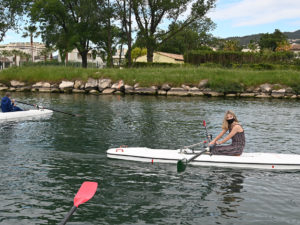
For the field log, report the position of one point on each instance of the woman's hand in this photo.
(219, 142)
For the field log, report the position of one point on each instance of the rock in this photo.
(94, 92)
(178, 92)
(231, 95)
(249, 89)
(257, 90)
(278, 93)
(91, 84)
(55, 90)
(194, 89)
(129, 89)
(266, 88)
(78, 91)
(104, 83)
(196, 93)
(289, 90)
(121, 86)
(185, 87)
(41, 85)
(108, 91)
(247, 94)
(203, 83)
(66, 85)
(145, 91)
(213, 94)
(23, 89)
(78, 84)
(165, 87)
(162, 92)
(44, 89)
(115, 85)
(54, 85)
(15, 84)
(262, 95)
(3, 87)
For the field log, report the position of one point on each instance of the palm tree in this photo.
(31, 31)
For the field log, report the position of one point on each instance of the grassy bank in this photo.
(220, 79)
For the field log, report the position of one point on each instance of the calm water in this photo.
(44, 162)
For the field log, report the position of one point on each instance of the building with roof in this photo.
(295, 48)
(75, 57)
(32, 51)
(163, 57)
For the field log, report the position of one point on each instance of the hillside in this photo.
(246, 39)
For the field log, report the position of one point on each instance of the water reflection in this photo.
(230, 192)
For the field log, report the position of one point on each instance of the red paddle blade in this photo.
(85, 193)
(204, 123)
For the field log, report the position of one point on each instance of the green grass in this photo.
(220, 79)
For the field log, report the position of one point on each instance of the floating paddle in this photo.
(54, 110)
(182, 164)
(85, 193)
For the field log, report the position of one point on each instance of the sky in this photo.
(237, 18)
(246, 17)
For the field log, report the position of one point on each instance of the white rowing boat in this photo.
(21, 115)
(272, 161)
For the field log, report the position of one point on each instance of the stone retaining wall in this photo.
(106, 86)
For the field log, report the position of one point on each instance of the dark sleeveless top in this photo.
(236, 148)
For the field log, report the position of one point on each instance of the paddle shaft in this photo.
(54, 110)
(68, 215)
(195, 156)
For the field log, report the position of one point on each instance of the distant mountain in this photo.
(246, 39)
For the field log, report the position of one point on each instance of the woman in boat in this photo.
(236, 133)
(8, 105)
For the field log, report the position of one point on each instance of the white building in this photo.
(117, 60)
(74, 56)
(33, 51)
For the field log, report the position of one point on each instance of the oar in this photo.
(208, 136)
(85, 193)
(54, 110)
(182, 164)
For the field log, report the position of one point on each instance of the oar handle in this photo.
(68, 215)
(207, 135)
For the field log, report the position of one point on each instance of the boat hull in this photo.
(272, 161)
(23, 115)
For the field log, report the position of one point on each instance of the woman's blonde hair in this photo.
(225, 124)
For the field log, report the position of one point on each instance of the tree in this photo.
(232, 45)
(271, 41)
(124, 9)
(283, 46)
(31, 31)
(150, 13)
(192, 37)
(137, 52)
(10, 12)
(72, 23)
(253, 46)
